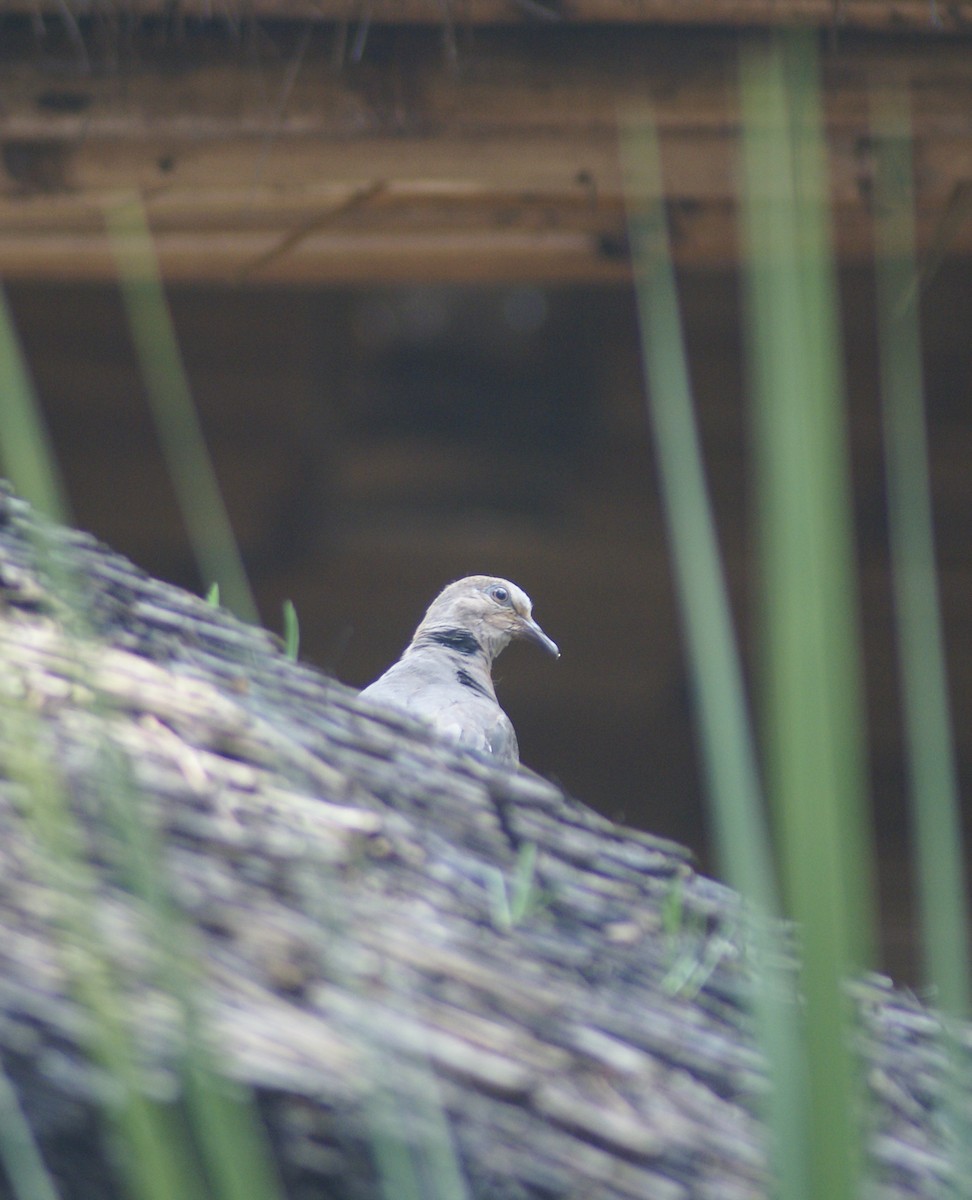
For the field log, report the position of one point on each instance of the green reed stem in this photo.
(176, 419)
(732, 777)
(811, 700)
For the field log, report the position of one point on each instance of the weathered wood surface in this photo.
(339, 876)
(285, 160)
(931, 16)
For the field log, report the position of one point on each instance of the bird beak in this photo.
(531, 630)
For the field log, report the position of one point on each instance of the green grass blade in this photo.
(732, 777)
(933, 782)
(152, 1152)
(412, 1143)
(730, 760)
(291, 630)
(25, 451)
(812, 704)
(154, 1149)
(176, 419)
(931, 753)
(227, 1131)
(23, 1165)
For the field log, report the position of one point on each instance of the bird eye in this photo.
(500, 594)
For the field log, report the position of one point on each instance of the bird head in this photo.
(493, 610)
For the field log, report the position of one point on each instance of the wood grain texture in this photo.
(502, 165)
(928, 16)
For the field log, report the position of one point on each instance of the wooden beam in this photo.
(932, 17)
(503, 168)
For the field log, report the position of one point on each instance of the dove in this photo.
(444, 675)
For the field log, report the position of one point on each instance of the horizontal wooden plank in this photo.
(554, 258)
(704, 237)
(507, 168)
(570, 80)
(931, 16)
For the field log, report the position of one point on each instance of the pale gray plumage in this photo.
(444, 677)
